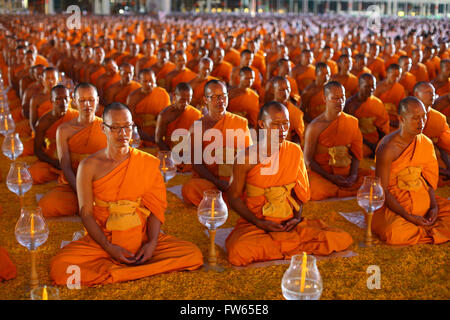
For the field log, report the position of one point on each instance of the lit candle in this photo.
(6, 124)
(302, 280)
(12, 146)
(32, 226)
(212, 209)
(164, 164)
(19, 180)
(370, 195)
(44, 293)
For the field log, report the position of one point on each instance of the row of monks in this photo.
(76, 95)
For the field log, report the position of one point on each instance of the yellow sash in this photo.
(410, 179)
(366, 125)
(279, 200)
(148, 119)
(122, 214)
(391, 108)
(339, 156)
(225, 169)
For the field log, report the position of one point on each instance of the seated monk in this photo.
(418, 69)
(442, 81)
(333, 149)
(408, 169)
(146, 103)
(243, 100)
(246, 60)
(134, 55)
(162, 67)
(407, 79)
(390, 92)
(326, 56)
(221, 69)
(281, 93)
(344, 77)
(313, 100)
(96, 69)
(120, 90)
(122, 217)
(106, 80)
(281, 52)
(390, 55)
(442, 104)
(198, 83)
(180, 73)
(304, 72)
(149, 58)
(29, 79)
(360, 65)
(41, 103)
(29, 61)
(179, 115)
(436, 128)
(8, 269)
(47, 167)
(269, 194)
(75, 140)
(30, 91)
(199, 54)
(284, 70)
(120, 53)
(375, 63)
(372, 117)
(231, 54)
(214, 173)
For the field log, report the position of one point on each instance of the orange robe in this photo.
(408, 81)
(316, 104)
(341, 133)
(184, 121)
(62, 200)
(391, 98)
(364, 70)
(421, 73)
(438, 131)
(43, 172)
(123, 94)
(151, 61)
(306, 78)
(410, 177)
(114, 79)
(199, 91)
(247, 243)
(443, 90)
(233, 57)
(96, 265)
(193, 189)
(350, 84)
(246, 105)
(168, 67)
(371, 115)
(378, 69)
(95, 75)
(295, 121)
(8, 269)
(184, 76)
(223, 71)
(149, 107)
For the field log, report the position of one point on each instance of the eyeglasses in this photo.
(117, 129)
(217, 97)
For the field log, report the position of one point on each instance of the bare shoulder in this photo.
(387, 147)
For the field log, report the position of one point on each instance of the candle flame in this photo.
(12, 145)
(32, 225)
(212, 209)
(19, 178)
(45, 293)
(303, 276)
(370, 195)
(6, 124)
(164, 164)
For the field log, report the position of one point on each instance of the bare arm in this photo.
(161, 129)
(41, 127)
(33, 113)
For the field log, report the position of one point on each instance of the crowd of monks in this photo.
(327, 92)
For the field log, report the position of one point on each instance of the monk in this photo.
(304, 72)
(373, 119)
(284, 70)
(133, 56)
(120, 91)
(442, 82)
(390, 55)
(231, 54)
(180, 74)
(96, 69)
(146, 103)
(221, 68)
(75, 140)
(442, 104)
(391, 92)
(407, 79)
(326, 56)
(8, 269)
(35, 87)
(199, 54)
(313, 100)
(122, 218)
(269, 193)
(375, 63)
(198, 83)
(418, 69)
(41, 104)
(360, 65)
(214, 173)
(162, 67)
(246, 60)
(408, 169)
(243, 100)
(332, 153)
(344, 77)
(436, 128)
(110, 77)
(149, 58)
(47, 168)
(281, 93)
